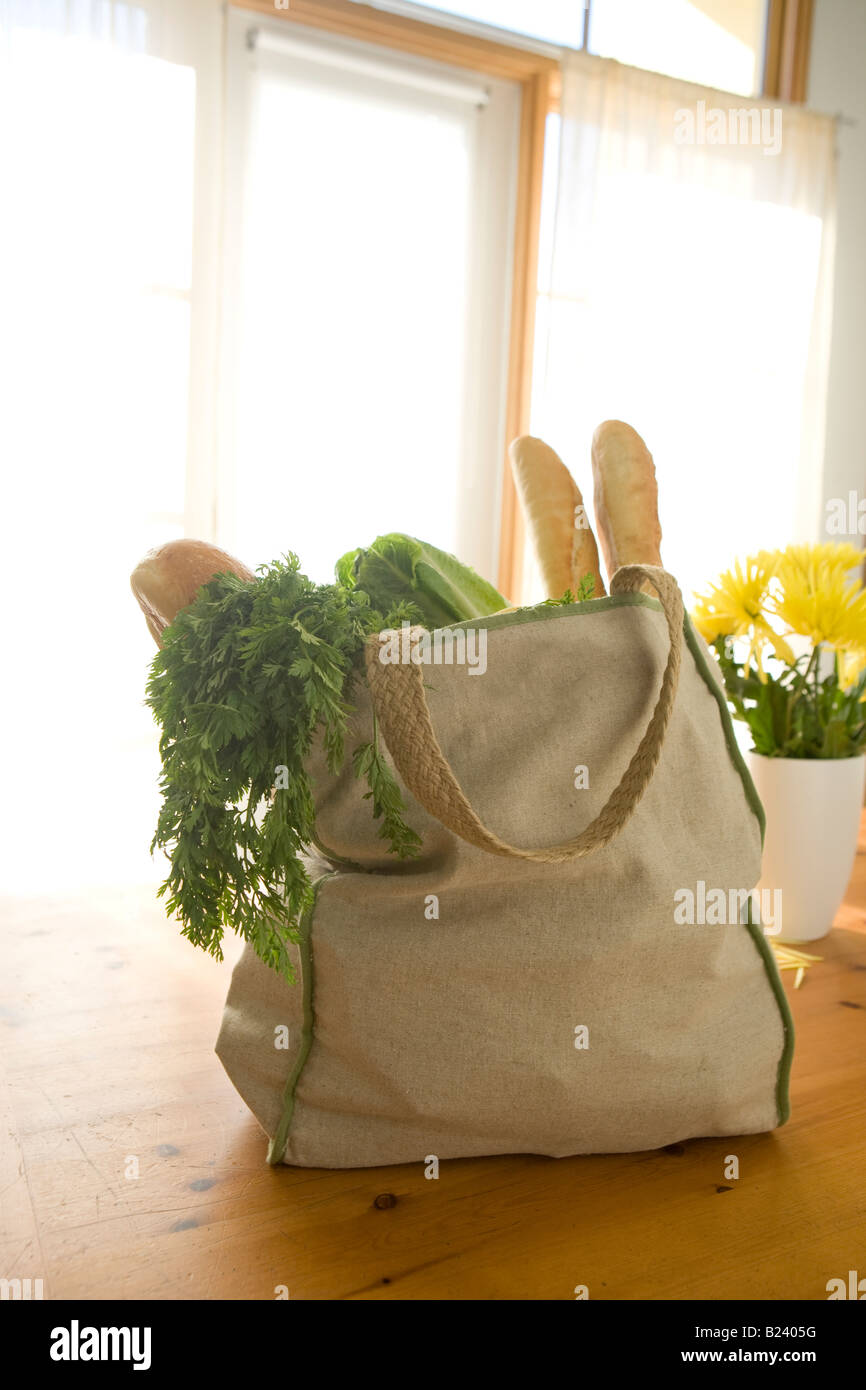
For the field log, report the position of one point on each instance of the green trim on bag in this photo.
(543, 612)
(546, 611)
(739, 761)
(783, 1075)
(277, 1146)
(540, 612)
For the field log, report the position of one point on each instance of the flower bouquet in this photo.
(788, 629)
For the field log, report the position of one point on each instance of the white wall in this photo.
(837, 86)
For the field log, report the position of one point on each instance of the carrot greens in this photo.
(249, 676)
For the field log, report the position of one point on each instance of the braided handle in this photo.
(401, 708)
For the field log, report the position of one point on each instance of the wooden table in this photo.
(130, 1168)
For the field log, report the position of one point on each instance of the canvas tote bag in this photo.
(519, 987)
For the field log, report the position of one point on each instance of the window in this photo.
(371, 287)
(719, 43)
(553, 21)
(95, 274)
(369, 264)
(683, 288)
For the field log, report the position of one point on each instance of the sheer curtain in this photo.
(685, 288)
(97, 129)
(366, 298)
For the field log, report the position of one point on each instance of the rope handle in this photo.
(401, 708)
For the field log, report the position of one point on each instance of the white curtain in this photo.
(97, 129)
(685, 287)
(366, 299)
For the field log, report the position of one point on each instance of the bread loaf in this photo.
(557, 520)
(626, 498)
(169, 577)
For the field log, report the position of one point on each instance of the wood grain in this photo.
(108, 1021)
(534, 109)
(348, 20)
(787, 49)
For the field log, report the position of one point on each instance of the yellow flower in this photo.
(851, 664)
(734, 607)
(812, 560)
(814, 598)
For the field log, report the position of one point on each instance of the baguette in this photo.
(169, 577)
(626, 498)
(557, 520)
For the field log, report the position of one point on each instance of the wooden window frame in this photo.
(535, 74)
(786, 66)
(787, 49)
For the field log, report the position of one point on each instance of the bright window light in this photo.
(552, 21)
(94, 335)
(349, 357)
(697, 333)
(718, 43)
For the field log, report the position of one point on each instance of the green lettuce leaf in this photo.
(398, 568)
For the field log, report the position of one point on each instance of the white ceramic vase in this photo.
(813, 808)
